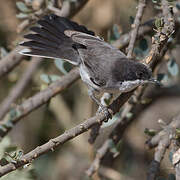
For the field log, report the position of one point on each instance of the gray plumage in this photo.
(102, 66)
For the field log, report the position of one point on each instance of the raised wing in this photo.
(49, 40)
(98, 57)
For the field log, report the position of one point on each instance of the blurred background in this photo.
(73, 105)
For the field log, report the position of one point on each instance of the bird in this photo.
(102, 67)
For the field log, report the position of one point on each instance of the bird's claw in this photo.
(105, 111)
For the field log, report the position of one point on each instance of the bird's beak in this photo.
(155, 81)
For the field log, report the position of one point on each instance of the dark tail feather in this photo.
(50, 41)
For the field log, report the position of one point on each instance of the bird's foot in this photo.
(105, 111)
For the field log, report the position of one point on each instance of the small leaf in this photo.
(159, 23)
(173, 68)
(12, 114)
(162, 77)
(156, 1)
(116, 31)
(2, 128)
(112, 121)
(129, 115)
(48, 79)
(131, 19)
(171, 177)
(62, 65)
(146, 101)
(3, 52)
(22, 7)
(19, 154)
(45, 78)
(150, 132)
(21, 15)
(113, 148)
(171, 157)
(9, 124)
(3, 162)
(143, 44)
(178, 5)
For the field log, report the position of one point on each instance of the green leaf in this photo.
(156, 1)
(48, 79)
(143, 44)
(13, 114)
(150, 132)
(178, 5)
(162, 77)
(159, 22)
(3, 161)
(62, 65)
(21, 15)
(22, 7)
(116, 31)
(45, 78)
(19, 154)
(113, 148)
(131, 19)
(173, 67)
(171, 157)
(111, 121)
(171, 177)
(3, 52)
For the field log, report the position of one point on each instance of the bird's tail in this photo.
(49, 40)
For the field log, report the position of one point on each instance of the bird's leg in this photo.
(103, 108)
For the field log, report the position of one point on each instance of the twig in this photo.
(135, 25)
(68, 135)
(124, 39)
(37, 100)
(154, 141)
(164, 140)
(69, 8)
(152, 59)
(175, 150)
(19, 87)
(10, 61)
(95, 130)
(122, 42)
(112, 174)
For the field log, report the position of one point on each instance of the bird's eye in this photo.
(140, 75)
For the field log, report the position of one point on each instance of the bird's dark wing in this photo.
(99, 57)
(49, 40)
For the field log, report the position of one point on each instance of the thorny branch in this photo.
(135, 26)
(154, 56)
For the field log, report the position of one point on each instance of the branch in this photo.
(95, 130)
(10, 61)
(68, 135)
(135, 26)
(122, 42)
(124, 39)
(69, 9)
(162, 140)
(37, 100)
(19, 87)
(152, 59)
